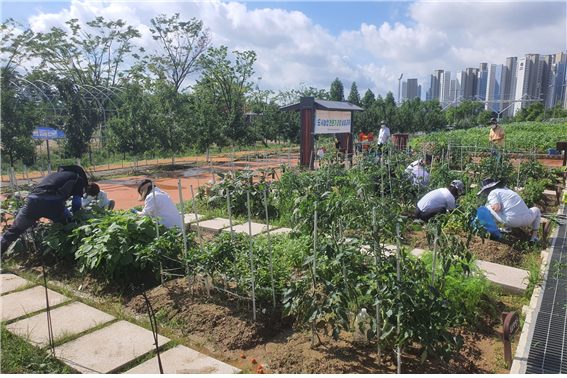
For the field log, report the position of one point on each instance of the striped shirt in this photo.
(441, 197)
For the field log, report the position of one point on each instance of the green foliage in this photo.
(20, 357)
(533, 191)
(354, 96)
(337, 92)
(115, 245)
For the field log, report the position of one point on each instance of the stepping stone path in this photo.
(108, 349)
(215, 225)
(182, 360)
(257, 228)
(15, 305)
(102, 351)
(67, 320)
(190, 218)
(10, 282)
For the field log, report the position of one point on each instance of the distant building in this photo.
(436, 84)
(459, 86)
(493, 87)
(445, 91)
(527, 88)
(428, 88)
(557, 79)
(482, 78)
(404, 91)
(483, 66)
(470, 85)
(412, 89)
(508, 87)
(453, 90)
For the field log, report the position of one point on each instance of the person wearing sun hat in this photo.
(508, 208)
(496, 135)
(439, 201)
(158, 203)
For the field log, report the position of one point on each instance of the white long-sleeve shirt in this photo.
(166, 209)
(101, 199)
(437, 198)
(384, 135)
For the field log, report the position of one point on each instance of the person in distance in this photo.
(158, 203)
(94, 193)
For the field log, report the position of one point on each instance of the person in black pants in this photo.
(47, 200)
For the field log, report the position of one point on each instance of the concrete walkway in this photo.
(89, 340)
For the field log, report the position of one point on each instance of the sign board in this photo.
(511, 325)
(48, 133)
(331, 122)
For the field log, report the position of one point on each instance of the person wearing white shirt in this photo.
(507, 207)
(94, 193)
(383, 135)
(158, 203)
(439, 201)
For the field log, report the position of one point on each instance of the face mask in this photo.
(494, 126)
(383, 126)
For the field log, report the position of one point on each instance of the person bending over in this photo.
(47, 200)
(158, 203)
(507, 207)
(439, 201)
(94, 193)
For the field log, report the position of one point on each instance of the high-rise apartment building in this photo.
(412, 89)
(453, 90)
(445, 87)
(493, 87)
(404, 91)
(469, 90)
(436, 84)
(428, 88)
(527, 86)
(557, 79)
(459, 86)
(508, 87)
(483, 66)
(482, 78)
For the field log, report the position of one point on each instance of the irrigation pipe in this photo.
(251, 255)
(379, 351)
(270, 247)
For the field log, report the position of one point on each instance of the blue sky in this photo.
(368, 42)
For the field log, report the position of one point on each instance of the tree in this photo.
(205, 108)
(15, 44)
(171, 117)
(83, 115)
(87, 57)
(181, 44)
(20, 116)
(368, 99)
(484, 117)
(132, 131)
(231, 83)
(337, 92)
(354, 96)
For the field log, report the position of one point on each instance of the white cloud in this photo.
(292, 49)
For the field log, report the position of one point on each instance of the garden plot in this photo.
(257, 288)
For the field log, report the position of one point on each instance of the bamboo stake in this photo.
(251, 256)
(434, 260)
(518, 180)
(157, 227)
(231, 234)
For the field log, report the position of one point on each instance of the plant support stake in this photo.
(398, 352)
(157, 228)
(269, 247)
(251, 255)
(199, 233)
(379, 351)
(518, 180)
(315, 246)
(183, 229)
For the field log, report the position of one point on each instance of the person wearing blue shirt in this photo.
(47, 200)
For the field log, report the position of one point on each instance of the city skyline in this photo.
(370, 43)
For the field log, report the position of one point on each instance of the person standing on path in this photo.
(161, 207)
(508, 208)
(383, 136)
(439, 201)
(496, 136)
(47, 200)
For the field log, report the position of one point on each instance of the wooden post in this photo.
(511, 325)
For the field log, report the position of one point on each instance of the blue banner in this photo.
(48, 133)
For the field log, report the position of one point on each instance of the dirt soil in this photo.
(223, 327)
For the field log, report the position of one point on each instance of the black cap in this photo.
(493, 120)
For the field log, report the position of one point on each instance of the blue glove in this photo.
(135, 211)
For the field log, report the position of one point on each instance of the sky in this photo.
(311, 43)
